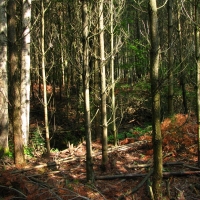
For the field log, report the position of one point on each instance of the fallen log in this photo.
(127, 176)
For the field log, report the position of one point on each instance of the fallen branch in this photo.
(130, 166)
(165, 175)
(126, 176)
(191, 167)
(183, 173)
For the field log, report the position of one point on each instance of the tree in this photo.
(103, 88)
(197, 52)
(96, 68)
(3, 79)
(86, 80)
(181, 61)
(25, 69)
(15, 80)
(155, 93)
(114, 128)
(45, 103)
(170, 60)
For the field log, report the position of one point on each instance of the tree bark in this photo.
(155, 93)
(97, 120)
(197, 54)
(103, 89)
(170, 60)
(15, 81)
(86, 80)
(113, 108)
(25, 70)
(3, 79)
(45, 103)
(182, 70)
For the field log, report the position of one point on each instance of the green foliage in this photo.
(9, 154)
(120, 136)
(131, 133)
(37, 141)
(54, 150)
(29, 151)
(142, 130)
(144, 84)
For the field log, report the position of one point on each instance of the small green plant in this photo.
(28, 151)
(142, 130)
(131, 133)
(121, 136)
(9, 154)
(38, 142)
(54, 150)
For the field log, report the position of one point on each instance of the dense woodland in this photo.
(100, 99)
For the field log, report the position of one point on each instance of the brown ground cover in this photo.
(62, 176)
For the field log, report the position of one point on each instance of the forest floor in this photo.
(63, 175)
(129, 172)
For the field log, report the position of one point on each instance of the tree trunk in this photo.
(97, 119)
(103, 89)
(25, 70)
(155, 92)
(197, 51)
(45, 103)
(182, 70)
(170, 60)
(15, 82)
(86, 80)
(3, 79)
(114, 128)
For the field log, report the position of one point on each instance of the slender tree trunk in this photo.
(170, 60)
(96, 68)
(155, 92)
(25, 70)
(15, 81)
(3, 79)
(86, 80)
(45, 103)
(197, 52)
(103, 89)
(114, 128)
(182, 70)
